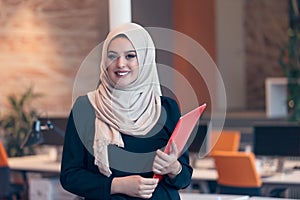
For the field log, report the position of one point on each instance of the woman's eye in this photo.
(112, 56)
(130, 56)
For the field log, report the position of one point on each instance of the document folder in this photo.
(183, 130)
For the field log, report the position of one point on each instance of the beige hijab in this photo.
(133, 110)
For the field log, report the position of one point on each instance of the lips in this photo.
(122, 73)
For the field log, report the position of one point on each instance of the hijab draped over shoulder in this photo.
(131, 110)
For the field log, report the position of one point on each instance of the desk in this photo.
(195, 196)
(40, 188)
(282, 180)
(268, 198)
(204, 171)
(36, 163)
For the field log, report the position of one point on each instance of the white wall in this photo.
(230, 51)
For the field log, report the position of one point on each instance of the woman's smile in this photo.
(122, 63)
(122, 73)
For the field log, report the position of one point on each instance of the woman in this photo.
(115, 133)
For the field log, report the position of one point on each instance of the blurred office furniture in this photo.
(43, 179)
(268, 198)
(281, 184)
(49, 135)
(198, 147)
(198, 142)
(8, 190)
(48, 189)
(228, 140)
(195, 196)
(205, 172)
(42, 164)
(45, 186)
(46, 131)
(277, 140)
(237, 173)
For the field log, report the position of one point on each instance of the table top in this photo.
(36, 163)
(268, 198)
(203, 171)
(197, 196)
(289, 178)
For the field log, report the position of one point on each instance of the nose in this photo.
(121, 62)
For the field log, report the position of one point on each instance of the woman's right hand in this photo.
(134, 186)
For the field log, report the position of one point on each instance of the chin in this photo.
(121, 84)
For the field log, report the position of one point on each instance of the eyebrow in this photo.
(130, 51)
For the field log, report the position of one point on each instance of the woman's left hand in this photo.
(167, 163)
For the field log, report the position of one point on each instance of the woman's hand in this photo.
(167, 163)
(134, 186)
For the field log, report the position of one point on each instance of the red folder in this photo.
(183, 130)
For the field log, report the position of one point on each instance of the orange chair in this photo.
(7, 189)
(228, 140)
(237, 173)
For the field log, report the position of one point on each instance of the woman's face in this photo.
(122, 63)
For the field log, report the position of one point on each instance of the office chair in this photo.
(228, 140)
(237, 173)
(8, 190)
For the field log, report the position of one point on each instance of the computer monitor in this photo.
(277, 141)
(198, 142)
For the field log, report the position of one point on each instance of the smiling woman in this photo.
(122, 63)
(124, 119)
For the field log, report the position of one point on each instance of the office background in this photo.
(43, 43)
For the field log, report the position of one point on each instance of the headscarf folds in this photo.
(133, 110)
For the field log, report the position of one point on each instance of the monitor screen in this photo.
(54, 136)
(277, 140)
(198, 142)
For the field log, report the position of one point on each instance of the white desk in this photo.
(284, 179)
(36, 163)
(281, 180)
(41, 188)
(195, 196)
(203, 172)
(268, 198)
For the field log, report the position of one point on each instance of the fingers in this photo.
(149, 181)
(147, 187)
(161, 166)
(174, 150)
(161, 160)
(134, 186)
(165, 163)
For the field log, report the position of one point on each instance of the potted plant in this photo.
(290, 62)
(16, 123)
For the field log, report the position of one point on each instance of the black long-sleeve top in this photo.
(79, 174)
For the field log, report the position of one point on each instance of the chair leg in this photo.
(278, 192)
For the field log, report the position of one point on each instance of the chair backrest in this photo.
(228, 140)
(236, 169)
(3, 156)
(4, 173)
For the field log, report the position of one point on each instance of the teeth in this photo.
(122, 73)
